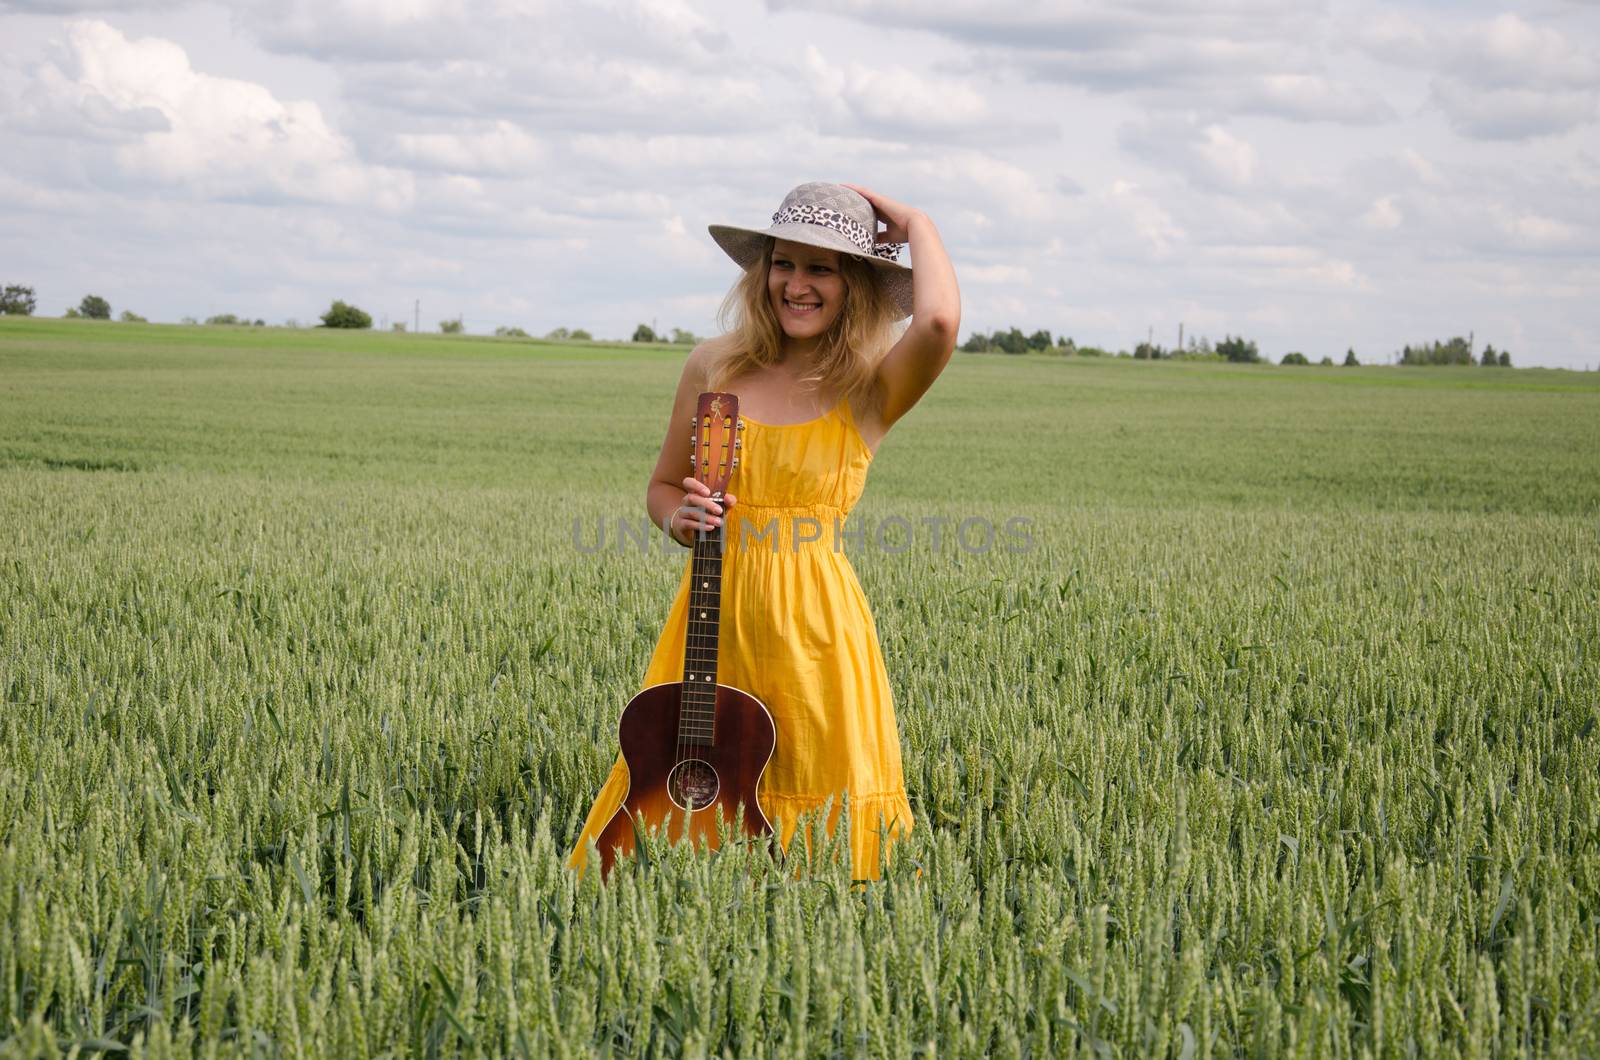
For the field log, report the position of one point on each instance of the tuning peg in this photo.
(735, 461)
(741, 423)
(738, 443)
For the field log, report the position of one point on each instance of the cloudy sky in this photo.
(1313, 175)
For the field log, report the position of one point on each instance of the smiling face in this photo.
(806, 289)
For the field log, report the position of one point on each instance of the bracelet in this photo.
(673, 516)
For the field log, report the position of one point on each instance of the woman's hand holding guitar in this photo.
(697, 512)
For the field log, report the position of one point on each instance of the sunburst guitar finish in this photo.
(695, 749)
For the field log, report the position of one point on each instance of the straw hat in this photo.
(825, 215)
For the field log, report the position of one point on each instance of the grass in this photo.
(1282, 739)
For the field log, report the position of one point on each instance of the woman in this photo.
(821, 377)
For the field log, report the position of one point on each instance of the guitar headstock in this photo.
(715, 436)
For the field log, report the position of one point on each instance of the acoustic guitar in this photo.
(695, 749)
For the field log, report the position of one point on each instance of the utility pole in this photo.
(1180, 336)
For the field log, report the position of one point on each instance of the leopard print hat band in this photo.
(853, 230)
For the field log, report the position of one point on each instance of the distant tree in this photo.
(94, 307)
(17, 300)
(72, 313)
(1489, 359)
(511, 333)
(399, 327)
(259, 323)
(1294, 357)
(644, 333)
(683, 338)
(1067, 346)
(451, 327)
(1238, 350)
(1012, 341)
(580, 335)
(1505, 358)
(1326, 362)
(1091, 351)
(977, 342)
(558, 334)
(1040, 340)
(1350, 358)
(1147, 351)
(130, 317)
(231, 318)
(342, 315)
(192, 320)
(1455, 351)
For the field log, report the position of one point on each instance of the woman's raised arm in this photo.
(915, 361)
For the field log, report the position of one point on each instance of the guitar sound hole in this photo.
(693, 784)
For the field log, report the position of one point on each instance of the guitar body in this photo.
(718, 776)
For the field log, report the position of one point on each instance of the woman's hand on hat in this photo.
(896, 216)
(698, 510)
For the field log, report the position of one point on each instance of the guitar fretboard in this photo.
(698, 710)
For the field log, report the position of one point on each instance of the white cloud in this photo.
(212, 136)
(1531, 229)
(69, 7)
(1232, 159)
(55, 104)
(1508, 52)
(1393, 36)
(1313, 97)
(1512, 113)
(1255, 56)
(503, 149)
(1383, 215)
(513, 32)
(996, 274)
(367, 29)
(1503, 78)
(1148, 219)
(1009, 189)
(1291, 267)
(1204, 153)
(578, 91)
(892, 97)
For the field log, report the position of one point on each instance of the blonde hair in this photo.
(847, 356)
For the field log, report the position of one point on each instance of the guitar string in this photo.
(701, 702)
(705, 566)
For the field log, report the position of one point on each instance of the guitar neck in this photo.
(713, 457)
(698, 709)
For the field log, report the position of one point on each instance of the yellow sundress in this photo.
(798, 635)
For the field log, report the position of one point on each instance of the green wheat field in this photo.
(1282, 739)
